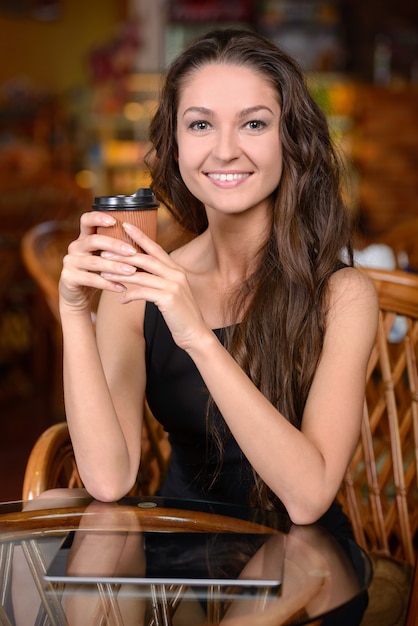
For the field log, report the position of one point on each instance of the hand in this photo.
(163, 282)
(83, 268)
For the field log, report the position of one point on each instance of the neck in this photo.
(232, 245)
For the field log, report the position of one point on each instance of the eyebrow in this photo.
(242, 114)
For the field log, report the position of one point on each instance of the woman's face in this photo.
(229, 147)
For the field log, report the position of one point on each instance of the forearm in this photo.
(98, 439)
(297, 474)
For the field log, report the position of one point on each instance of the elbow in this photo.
(301, 516)
(107, 491)
(107, 483)
(102, 495)
(305, 511)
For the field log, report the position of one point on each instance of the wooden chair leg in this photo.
(412, 612)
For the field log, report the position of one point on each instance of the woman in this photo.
(251, 341)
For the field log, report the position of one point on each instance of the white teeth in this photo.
(227, 177)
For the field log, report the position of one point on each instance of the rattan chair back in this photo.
(380, 488)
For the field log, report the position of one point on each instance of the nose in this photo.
(226, 145)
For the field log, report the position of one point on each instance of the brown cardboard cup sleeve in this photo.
(139, 209)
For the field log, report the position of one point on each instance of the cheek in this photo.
(189, 159)
(189, 171)
(184, 166)
(275, 160)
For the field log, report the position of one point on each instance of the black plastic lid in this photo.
(143, 198)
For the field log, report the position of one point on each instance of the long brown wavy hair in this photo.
(279, 340)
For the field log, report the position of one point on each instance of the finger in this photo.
(94, 243)
(140, 280)
(147, 244)
(75, 278)
(143, 286)
(165, 269)
(90, 264)
(91, 220)
(97, 218)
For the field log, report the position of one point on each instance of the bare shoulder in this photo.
(353, 313)
(353, 303)
(351, 285)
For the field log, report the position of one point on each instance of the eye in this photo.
(256, 125)
(199, 125)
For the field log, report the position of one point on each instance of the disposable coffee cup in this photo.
(139, 209)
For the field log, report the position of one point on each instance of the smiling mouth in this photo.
(227, 177)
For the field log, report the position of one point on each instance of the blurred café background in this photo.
(78, 83)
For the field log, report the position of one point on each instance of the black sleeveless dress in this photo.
(178, 399)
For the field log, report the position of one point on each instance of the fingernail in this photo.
(108, 219)
(127, 248)
(128, 269)
(128, 226)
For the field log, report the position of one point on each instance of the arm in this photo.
(304, 468)
(104, 372)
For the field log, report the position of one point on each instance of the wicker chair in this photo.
(380, 491)
(43, 247)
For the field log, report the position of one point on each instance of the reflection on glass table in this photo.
(155, 561)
